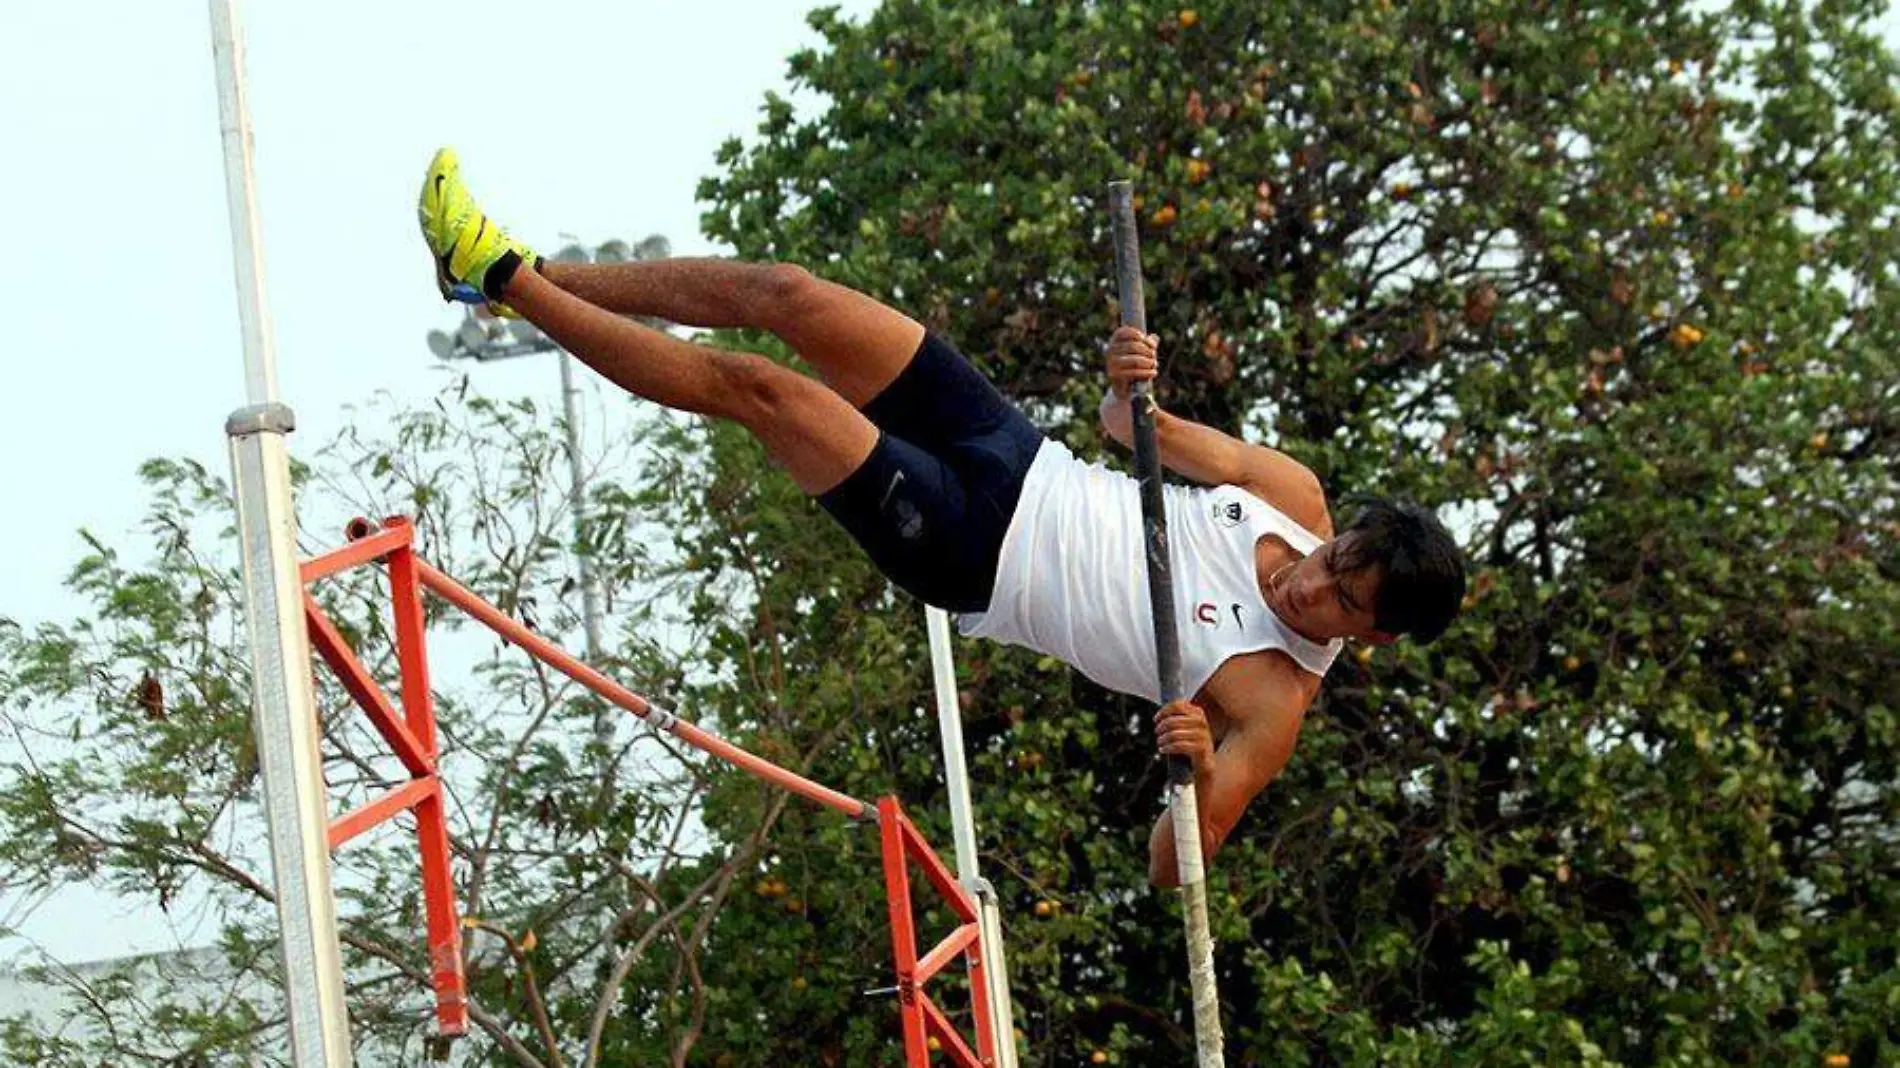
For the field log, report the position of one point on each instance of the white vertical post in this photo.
(607, 718)
(283, 698)
(963, 831)
(950, 723)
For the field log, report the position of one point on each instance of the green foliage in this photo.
(1613, 286)
(130, 763)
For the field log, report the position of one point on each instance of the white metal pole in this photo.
(963, 831)
(607, 719)
(950, 723)
(283, 697)
(577, 503)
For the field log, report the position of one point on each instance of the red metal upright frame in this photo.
(922, 1019)
(412, 738)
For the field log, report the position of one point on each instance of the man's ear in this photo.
(1379, 637)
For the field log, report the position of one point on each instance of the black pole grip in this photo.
(1154, 517)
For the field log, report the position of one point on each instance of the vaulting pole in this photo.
(283, 700)
(1182, 802)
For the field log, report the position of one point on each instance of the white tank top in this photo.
(1072, 581)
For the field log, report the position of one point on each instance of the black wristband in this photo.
(501, 274)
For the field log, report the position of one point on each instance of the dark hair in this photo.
(1422, 572)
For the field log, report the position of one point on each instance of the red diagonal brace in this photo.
(362, 687)
(947, 1035)
(938, 873)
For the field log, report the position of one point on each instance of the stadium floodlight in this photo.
(471, 334)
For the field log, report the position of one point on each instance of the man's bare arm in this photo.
(1251, 756)
(1203, 453)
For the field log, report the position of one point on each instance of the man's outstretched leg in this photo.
(911, 450)
(816, 435)
(907, 383)
(857, 344)
(810, 431)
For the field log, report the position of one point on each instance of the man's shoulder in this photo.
(1264, 682)
(1297, 493)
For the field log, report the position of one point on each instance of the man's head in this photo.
(1393, 570)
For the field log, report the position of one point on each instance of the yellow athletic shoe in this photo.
(474, 257)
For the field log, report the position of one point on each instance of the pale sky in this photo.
(121, 340)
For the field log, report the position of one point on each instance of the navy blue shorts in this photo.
(932, 502)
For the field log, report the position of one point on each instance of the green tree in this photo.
(1612, 285)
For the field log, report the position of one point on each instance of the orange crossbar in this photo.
(705, 741)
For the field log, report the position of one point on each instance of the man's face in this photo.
(1320, 601)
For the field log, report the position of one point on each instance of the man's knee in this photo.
(787, 291)
(756, 389)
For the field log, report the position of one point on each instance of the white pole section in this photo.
(240, 188)
(963, 829)
(606, 719)
(284, 703)
(950, 723)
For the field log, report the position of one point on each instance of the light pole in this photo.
(486, 339)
